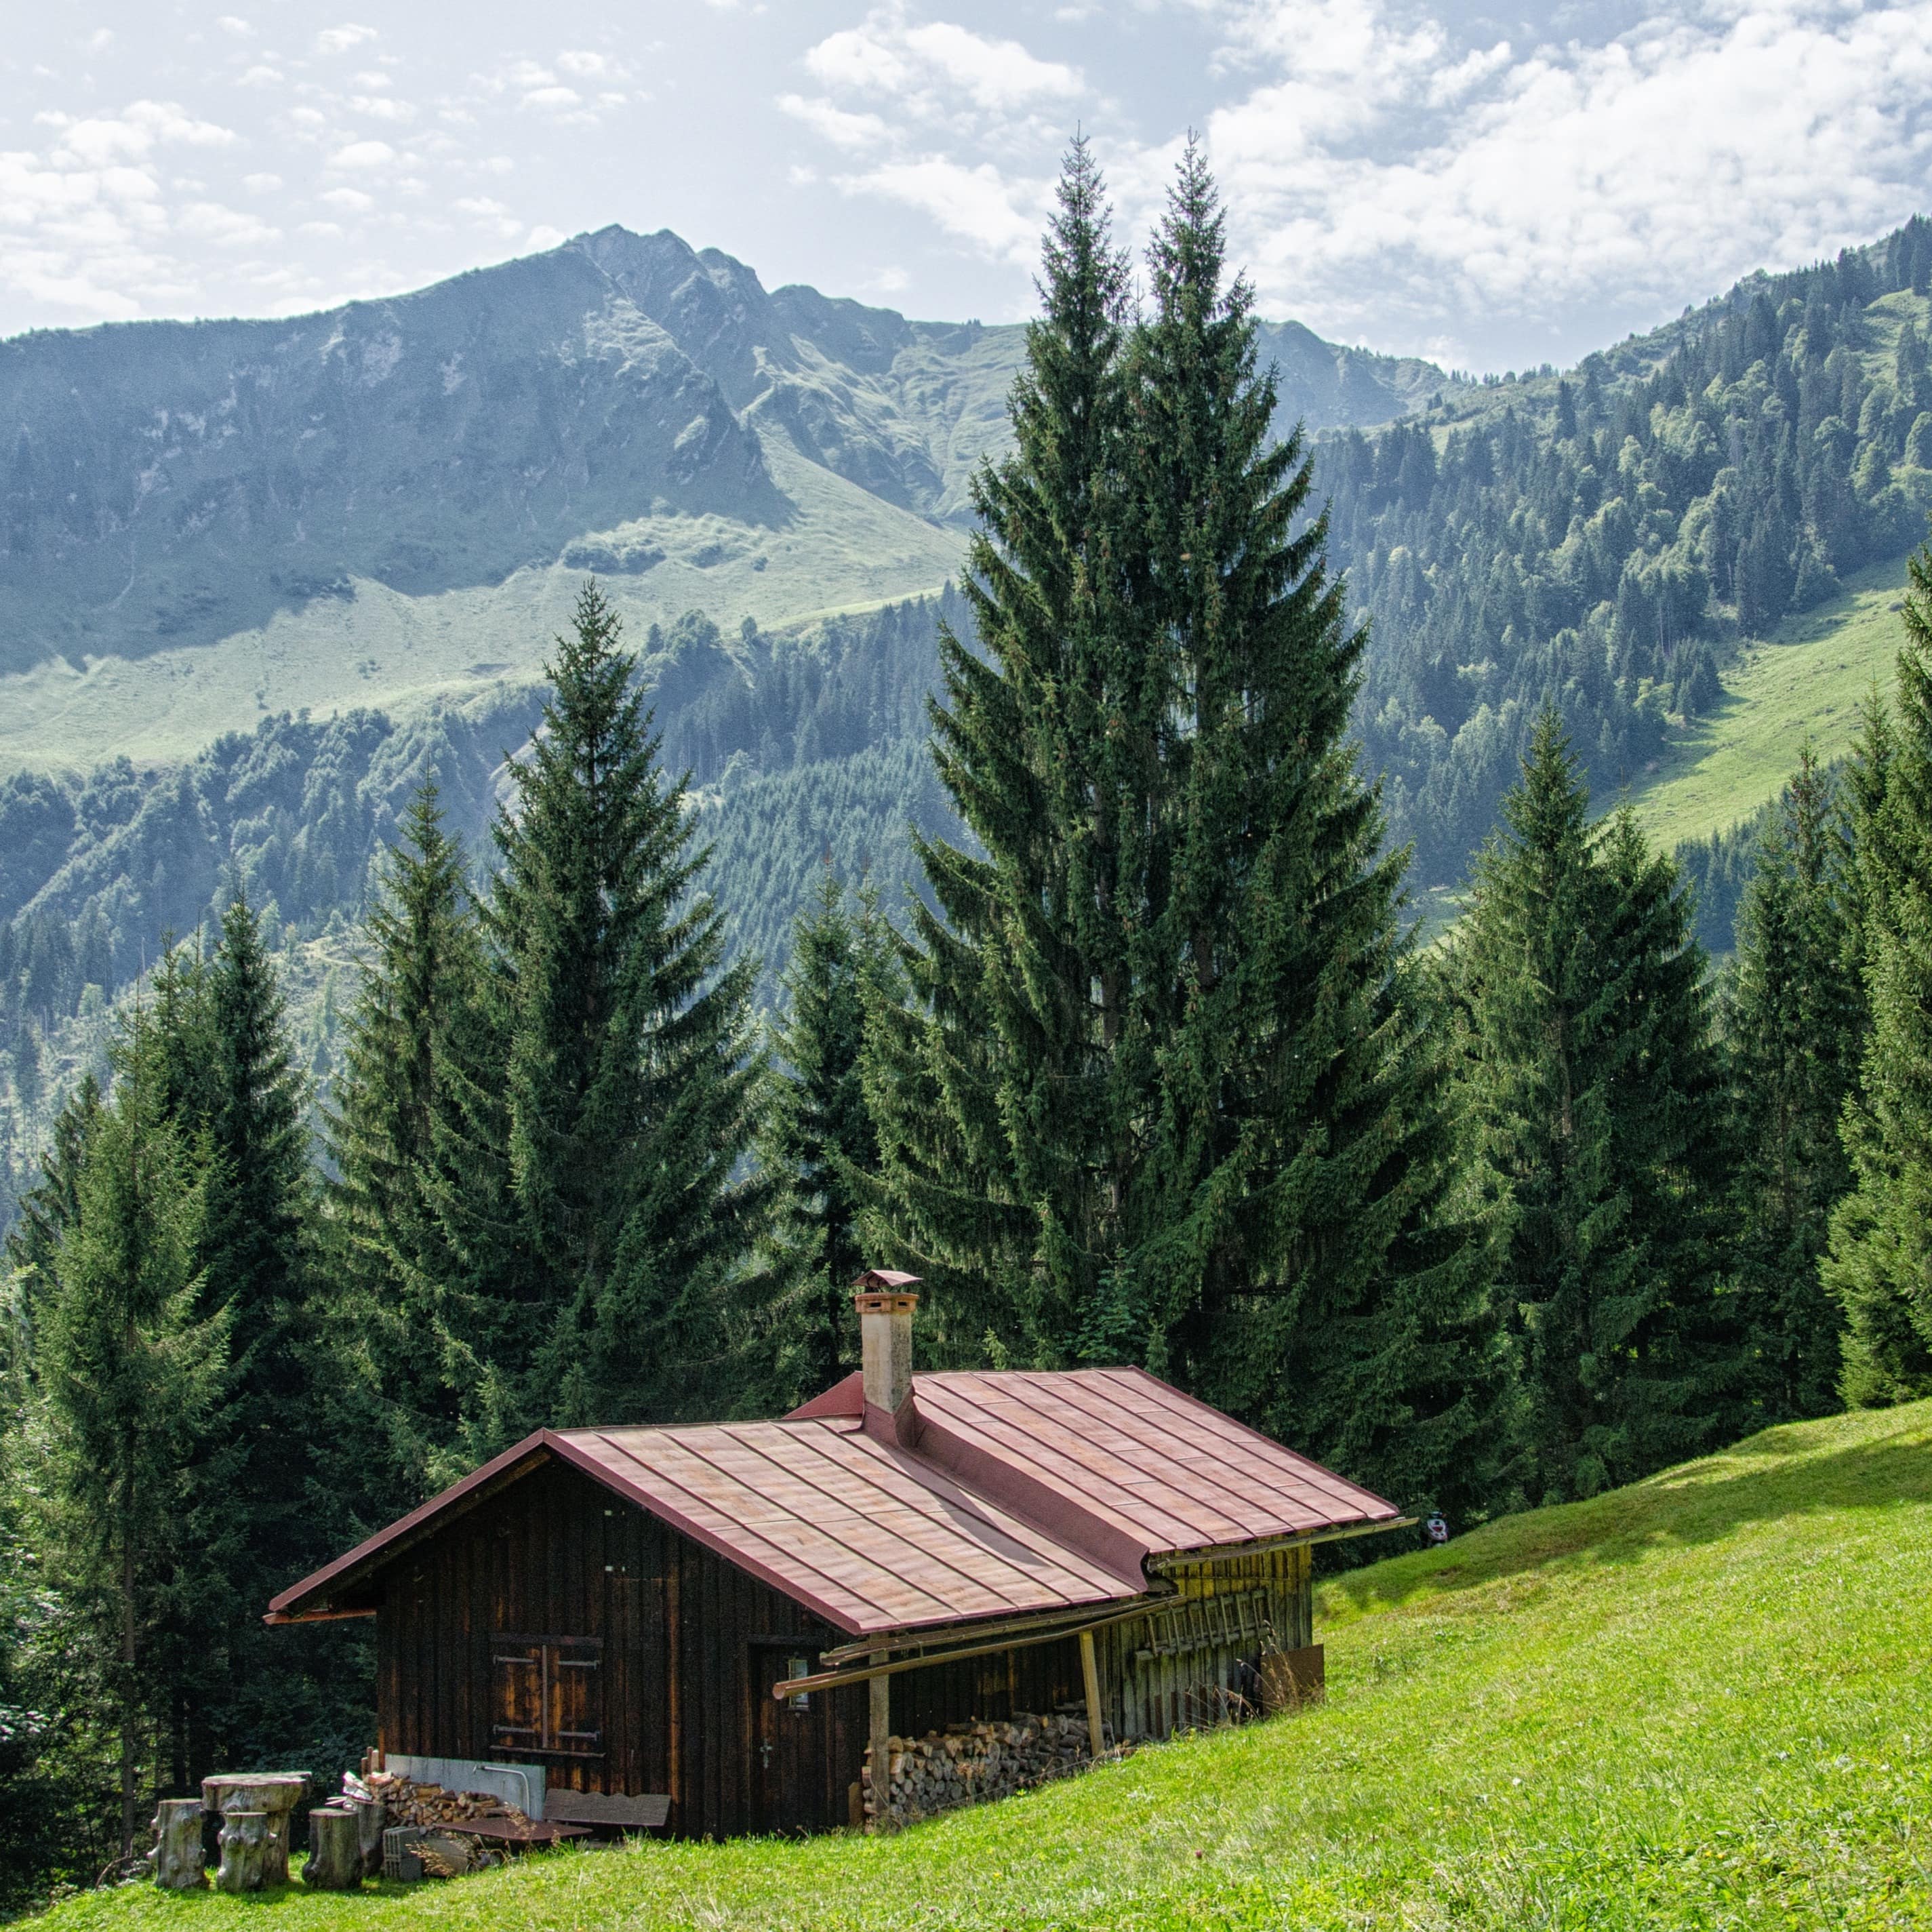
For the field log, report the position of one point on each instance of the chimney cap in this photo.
(884, 1291)
(886, 1278)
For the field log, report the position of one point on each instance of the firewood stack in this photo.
(430, 1804)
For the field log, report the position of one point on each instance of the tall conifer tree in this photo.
(1596, 1089)
(1160, 1099)
(421, 985)
(1005, 1104)
(1794, 1020)
(1881, 1231)
(626, 1073)
(129, 1371)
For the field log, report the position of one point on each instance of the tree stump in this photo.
(177, 1854)
(371, 1815)
(275, 1794)
(247, 1843)
(334, 1852)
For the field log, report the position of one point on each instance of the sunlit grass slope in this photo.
(1808, 679)
(1705, 1702)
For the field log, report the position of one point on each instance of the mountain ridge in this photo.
(268, 513)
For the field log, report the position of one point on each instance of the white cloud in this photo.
(261, 184)
(225, 227)
(886, 56)
(233, 23)
(1381, 171)
(834, 123)
(340, 39)
(541, 237)
(363, 155)
(999, 217)
(552, 97)
(588, 66)
(479, 204)
(98, 141)
(350, 200)
(260, 75)
(382, 107)
(1396, 174)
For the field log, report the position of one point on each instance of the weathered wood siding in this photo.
(1196, 1663)
(683, 1635)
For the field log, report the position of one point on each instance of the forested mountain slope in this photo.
(202, 523)
(1643, 539)
(1610, 537)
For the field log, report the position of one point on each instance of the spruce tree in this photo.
(1794, 1019)
(1881, 1231)
(129, 1370)
(1596, 1091)
(816, 1143)
(253, 1248)
(1162, 1094)
(421, 980)
(627, 1078)
(1005, 1103)
(229, 1085)
(1311, 1264)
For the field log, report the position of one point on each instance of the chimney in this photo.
(885, 1352)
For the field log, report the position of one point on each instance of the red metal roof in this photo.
(1167, 1471)
(1023, 1493)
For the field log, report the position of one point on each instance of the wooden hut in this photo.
(725, 1623)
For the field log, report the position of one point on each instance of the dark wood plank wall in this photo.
(691, 1646)
(689, 1643)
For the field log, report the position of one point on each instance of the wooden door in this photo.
(791, 1745)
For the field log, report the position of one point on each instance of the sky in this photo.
(1493, 189)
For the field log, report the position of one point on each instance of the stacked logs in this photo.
(408, 1803)
(968, 1764)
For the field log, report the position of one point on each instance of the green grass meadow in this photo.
(1702, 1702)
(1808, 680)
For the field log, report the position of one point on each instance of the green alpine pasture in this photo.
(1806, 680)
(1705, 1701)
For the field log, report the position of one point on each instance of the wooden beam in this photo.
(1090, 1668)
(832, 1680)
(1038, 1622)
(881, 1731)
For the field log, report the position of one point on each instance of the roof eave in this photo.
(293, 1604)
(1259, 1546)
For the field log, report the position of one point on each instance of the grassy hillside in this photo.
(1705, 1701)
(1808, 678)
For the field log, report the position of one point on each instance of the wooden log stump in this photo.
(371, 1815)
(334, 1852)
(177, 1854)
(275, 1794)
(246, 1844)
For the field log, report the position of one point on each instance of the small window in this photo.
(546, 1694)
(800, 1666)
